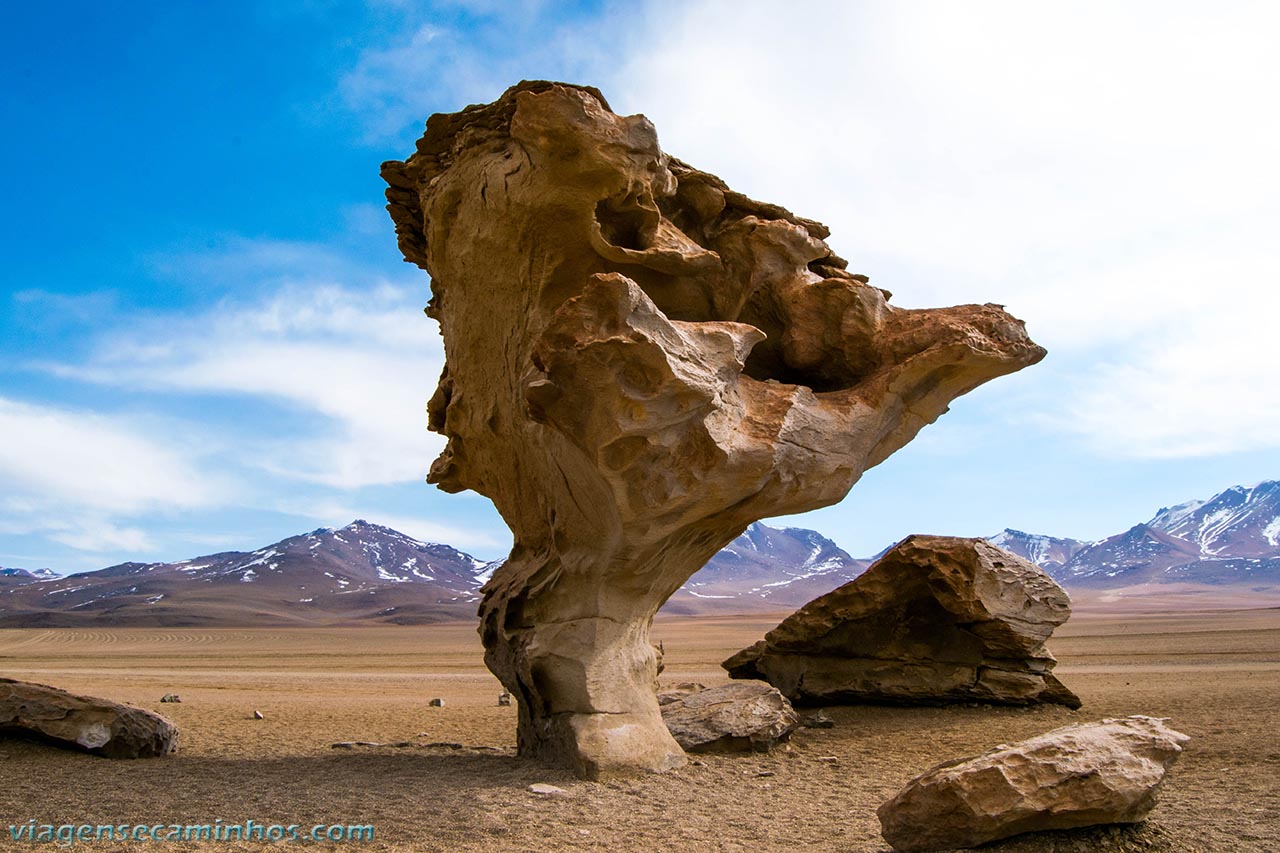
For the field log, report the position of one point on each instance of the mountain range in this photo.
(1231, 539)
(365, 572)
(369, 573)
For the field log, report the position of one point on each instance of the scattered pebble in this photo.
(817, 720)
(504, 698)
(171, 697)
(829, 759)
(257, 715)
(436, 703)
(543, 789)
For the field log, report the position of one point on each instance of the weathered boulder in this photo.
(936, 619)
(748, 715)
(639, 362)
(84, 723)
(1079, 775)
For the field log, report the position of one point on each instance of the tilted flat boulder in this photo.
(748, 715)
(1079, 775)
(639, 363)
(936, 619)
(85, 723)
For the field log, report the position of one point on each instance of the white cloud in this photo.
(363, 359)
(1192, 385)
(102, 535)
(318, 382)
(1107, 170)
(70, 475)
(429, 66)
(85, 529)
(93, 461)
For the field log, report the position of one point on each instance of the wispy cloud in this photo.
(440, 62)
(95, 461)
(44, 308)
(360, 358)
(309, 386)
(71, 475)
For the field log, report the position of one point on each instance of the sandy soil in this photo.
(1216, 674)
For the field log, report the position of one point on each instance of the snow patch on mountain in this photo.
(1272, 532)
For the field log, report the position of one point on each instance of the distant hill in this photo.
(369, 573)
(366, 572)
(767, 568)
(24, 576)
(1231, 539)
(1243, 521)
(10, 578)
(362, 572)
(1047, 552)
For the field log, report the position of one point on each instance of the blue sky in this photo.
(210, 342)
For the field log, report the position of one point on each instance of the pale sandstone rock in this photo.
(1079, 775)
(936, 619)
(639, 363)
(546, 790)
(748, 715)
(84, 723)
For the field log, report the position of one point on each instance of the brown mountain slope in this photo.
(360, 572)
(366, 573)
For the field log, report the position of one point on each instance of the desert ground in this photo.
(1216, 674)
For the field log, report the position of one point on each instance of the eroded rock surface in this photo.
(639, 363)
(936, 619)
(1079, 775)
(84, 723)
(740, 717)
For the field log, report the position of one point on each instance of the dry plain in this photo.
(1216, 674)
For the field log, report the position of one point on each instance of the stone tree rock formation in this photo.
(936, 619)
(639, 363)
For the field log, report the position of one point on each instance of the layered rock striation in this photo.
(639, 363)
(936, 619)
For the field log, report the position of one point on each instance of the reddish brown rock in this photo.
(639, 363)
(936, 619)
(1080, 775)
(83, 722)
